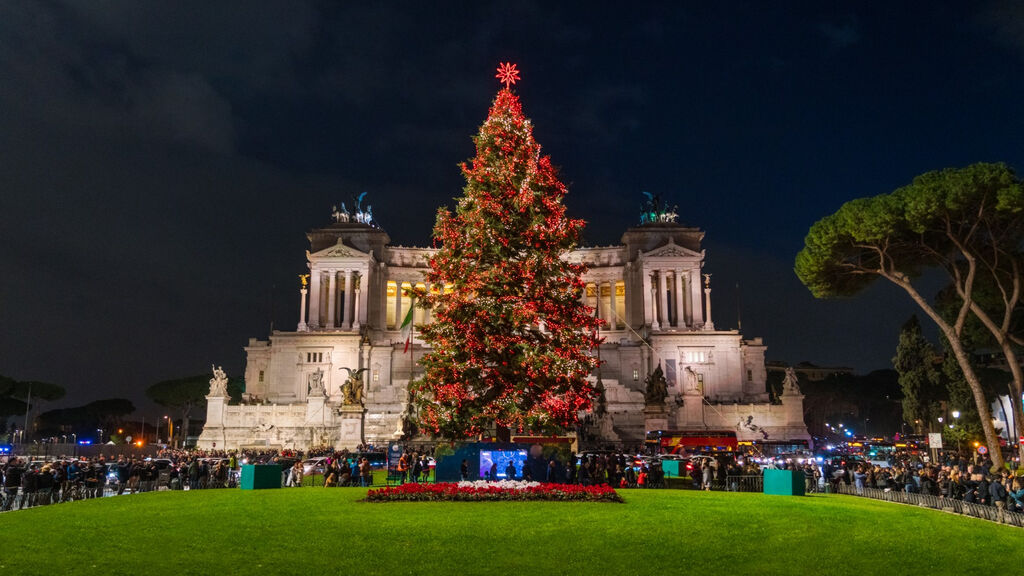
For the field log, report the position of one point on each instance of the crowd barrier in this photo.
(952, 505)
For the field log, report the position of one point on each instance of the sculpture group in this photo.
(358, 215)
(219, 382)
(352, 389)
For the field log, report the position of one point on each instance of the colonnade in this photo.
(336, 300)
(671, 300)
(607, 306)
(673, 294)
(402, 302)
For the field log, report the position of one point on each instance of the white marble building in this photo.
(649, 291)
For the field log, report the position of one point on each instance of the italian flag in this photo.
(407, 326)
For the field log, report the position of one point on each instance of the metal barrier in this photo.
(18, 499)
(738, 484)
(952, 505)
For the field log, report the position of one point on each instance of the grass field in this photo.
(328, 531)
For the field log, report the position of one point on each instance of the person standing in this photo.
(295, 478)
(464, 470)
(403, 467)
(365, 473)
(997, 493)
(425, 468)
(12, 481)
(416, 469)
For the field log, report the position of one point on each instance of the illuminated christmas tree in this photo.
(510, 339)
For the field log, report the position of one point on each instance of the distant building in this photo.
(648, 290)
(811, 372)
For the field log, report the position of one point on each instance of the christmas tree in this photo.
(511, 338)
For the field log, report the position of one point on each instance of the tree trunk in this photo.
(1001, 335)
(952, 335)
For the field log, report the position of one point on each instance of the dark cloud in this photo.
(1003, 20)
(840, 35)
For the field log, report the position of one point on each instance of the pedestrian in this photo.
(365, 473)
(997, 493)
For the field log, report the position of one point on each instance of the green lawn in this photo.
(328, 531)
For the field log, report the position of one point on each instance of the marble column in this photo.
(695, 305)
(427, 314)
(655, 310)
(627, 316)
(364, 293)
(609, 310)
(382, 279)
(346, 314)
(646, 291)
(332, 298)
(314, 299)
(356, 309)
(708, 324)
(663, 297)
(302, 310)
(398, 304)
(677, 279)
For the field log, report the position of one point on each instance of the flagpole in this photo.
(412, 353)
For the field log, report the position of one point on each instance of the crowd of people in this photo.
(37, 483)
(971, 483)
(28, 483)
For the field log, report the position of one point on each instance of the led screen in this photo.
(501, 458)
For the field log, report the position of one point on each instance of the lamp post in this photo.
(156, 439)
(956, 416)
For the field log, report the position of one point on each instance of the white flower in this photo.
(503, 484)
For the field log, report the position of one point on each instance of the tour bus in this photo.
(685, 442)
(772, 448)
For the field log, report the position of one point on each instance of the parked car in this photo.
(314, 465)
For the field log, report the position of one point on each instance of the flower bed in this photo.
(504, 491)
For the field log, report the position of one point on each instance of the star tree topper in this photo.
(507, 74)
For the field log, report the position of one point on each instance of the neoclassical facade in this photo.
(649, 290)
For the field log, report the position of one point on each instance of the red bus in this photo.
(691, 441)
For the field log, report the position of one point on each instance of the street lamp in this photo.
(156, 439)
(956, 413)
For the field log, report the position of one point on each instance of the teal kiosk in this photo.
(784, 482)
(260, 476)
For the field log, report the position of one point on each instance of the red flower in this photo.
(492, 493)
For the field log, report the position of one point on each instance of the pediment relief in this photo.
(672, 250)
(339, 252)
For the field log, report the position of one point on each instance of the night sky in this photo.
(160, 162)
